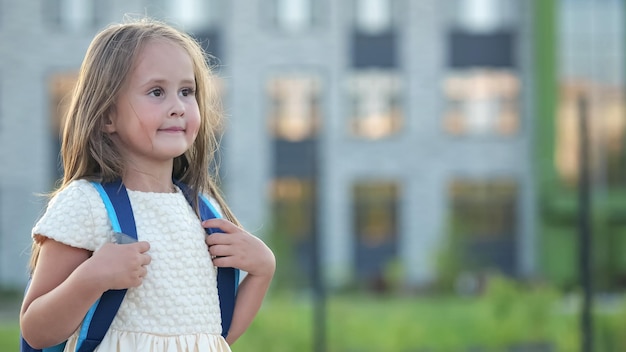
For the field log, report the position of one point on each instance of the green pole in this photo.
(545, 93)
(585, 229)
(544, 88)
(545, 98)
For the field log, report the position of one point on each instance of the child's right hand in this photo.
(120, 266)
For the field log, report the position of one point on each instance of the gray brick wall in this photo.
(422, 158)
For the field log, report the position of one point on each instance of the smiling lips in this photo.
(172, 129)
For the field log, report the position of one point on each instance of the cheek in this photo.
(141, 118)
(193, 123)
(145, 125)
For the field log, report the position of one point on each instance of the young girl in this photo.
(143, 110)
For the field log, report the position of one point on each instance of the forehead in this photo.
(162, 56)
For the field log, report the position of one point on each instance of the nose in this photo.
(177, 109)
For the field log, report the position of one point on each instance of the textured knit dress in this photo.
(177, 307)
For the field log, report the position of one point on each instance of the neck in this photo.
(148, 185)
(158, 181)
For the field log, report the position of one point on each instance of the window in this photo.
(376, 212)
(190, 15)
(294, 217)
(376, 110)
(484, 208)
(375, 222)
(483, 223)
(293, 207)
(73, 15)
(483, 16)
(295, 16)
(482, 102)
(484, 33)
(373, 16)
(60, 86)
(374, 42)
(294, 106)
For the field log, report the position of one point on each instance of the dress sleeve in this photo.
(76, 216)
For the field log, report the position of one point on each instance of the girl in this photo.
(143, 110)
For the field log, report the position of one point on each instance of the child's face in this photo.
(156, 116)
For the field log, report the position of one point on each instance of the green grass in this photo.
(9, 337)
(494, 322)
(497, 321)
(373, 324)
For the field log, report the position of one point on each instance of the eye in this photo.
(157, 92)
(185, 92)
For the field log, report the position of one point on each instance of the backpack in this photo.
(101, 314)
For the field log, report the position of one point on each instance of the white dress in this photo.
(176, 308)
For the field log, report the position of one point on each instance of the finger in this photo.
(136, 282)
(219, 238)
(222, 224)
(224, 262)
(142, 246)
(220, 250)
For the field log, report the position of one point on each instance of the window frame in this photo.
(391, 107)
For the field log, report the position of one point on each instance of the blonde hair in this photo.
(88, 152)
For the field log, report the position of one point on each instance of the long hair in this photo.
(88, 152)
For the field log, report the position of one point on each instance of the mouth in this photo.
(172, 129)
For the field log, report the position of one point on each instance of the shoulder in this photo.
(76, 191)
(76, 194)
(76, 216)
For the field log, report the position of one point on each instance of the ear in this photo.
(109, 126)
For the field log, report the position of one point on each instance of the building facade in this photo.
(377, 129)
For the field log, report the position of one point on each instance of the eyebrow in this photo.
(162, 81)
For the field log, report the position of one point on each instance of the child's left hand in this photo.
(236, 248)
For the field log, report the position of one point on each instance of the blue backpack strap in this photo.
(100, 316)
(227, 278)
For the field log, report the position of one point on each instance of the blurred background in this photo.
(418, 166)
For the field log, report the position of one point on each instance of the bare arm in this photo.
(67, 281)
(238, 249)
(249, 298)
(67, 304)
